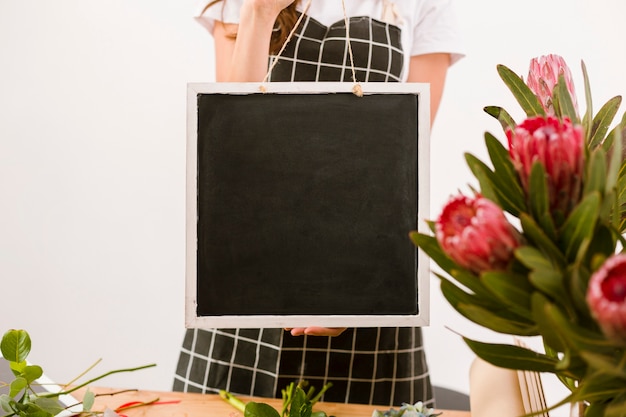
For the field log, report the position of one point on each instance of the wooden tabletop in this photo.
(178, 404)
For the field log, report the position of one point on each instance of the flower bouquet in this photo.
(537, 248)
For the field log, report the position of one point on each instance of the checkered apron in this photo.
(381, 366)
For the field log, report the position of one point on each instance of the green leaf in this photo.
(17, 386)
(484, 175)
(501, 159)
(615, 409)
(616, 155)
(545, 276)
(539, 200)
(505, 119)
(533, 259)
(456, 295)
(88, 400)
(501, 321)
(15, 345)
(596, 172)
(254, 409)
(32, 410)
(502, 186)
(512, 357)
(505, 178)
(522, 93)
(612, 211)
(7, 403)
(579, 279)
(605, 364)
(598, 387)
(299, 406)
(561, 335)
(477, 309)
(431, 247)
(580, 224)
(32, 373)
(514, 290)
(538, 237)
(563, 99)
(602, 121)
(552, 339)
(305, 411)
(620, 209)
(576, 337)
(18, 367)
(588, 99)
(619, 131)
(49, 405)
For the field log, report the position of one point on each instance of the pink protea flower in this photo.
(559, 146)
(475, 233)
(543, 76)
(606, 296)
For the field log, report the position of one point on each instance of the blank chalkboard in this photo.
(300, 200)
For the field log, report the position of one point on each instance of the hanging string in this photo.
(293, 30)
(356, 89)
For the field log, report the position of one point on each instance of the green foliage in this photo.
(522, 93)
(296, 402)
(15, 346)
(562, 100)
(500, 184)
(22, 400)
(602, 121)
(543, 292)
(413, 410)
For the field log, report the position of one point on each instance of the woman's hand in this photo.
(244, 57)
(316, 331)
(265, 8)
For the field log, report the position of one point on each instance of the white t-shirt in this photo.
(427, 26)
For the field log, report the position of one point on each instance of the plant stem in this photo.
(117, 392)
(232, 400)
(139, 404)
(83, 373)
(322, 391)
(117, 371)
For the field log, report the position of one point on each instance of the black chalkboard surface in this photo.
(300, 201)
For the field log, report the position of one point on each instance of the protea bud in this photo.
(606, 296)
(475, 234)
(543, 75)
(559, 146)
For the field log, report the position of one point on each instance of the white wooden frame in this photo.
(422, 318)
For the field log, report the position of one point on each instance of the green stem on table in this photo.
(69, 391)
(140, 404)
(104, 395)
(319, 394)
(232, 400)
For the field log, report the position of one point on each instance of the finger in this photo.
(297, 331)
(324, 331)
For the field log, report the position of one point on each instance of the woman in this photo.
(402, 41)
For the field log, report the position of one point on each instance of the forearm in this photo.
(245, 59)
(432, 69)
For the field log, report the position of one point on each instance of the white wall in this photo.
(92, 165)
